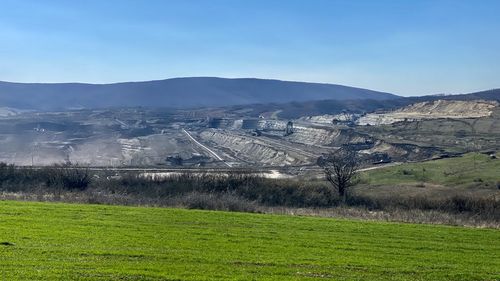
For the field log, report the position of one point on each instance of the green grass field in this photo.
(47, 241)
(470, 170)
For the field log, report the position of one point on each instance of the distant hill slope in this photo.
(493, 94)
(176, 93)
(329, 106)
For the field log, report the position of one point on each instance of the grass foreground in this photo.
(55, 241)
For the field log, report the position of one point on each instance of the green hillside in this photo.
(470, 170)
(45, 241)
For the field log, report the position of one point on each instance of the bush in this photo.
(484, 207)
(231, 192)
(273, 192)
(406, 172)
(67, 177)
(212, 201)
(14, 178)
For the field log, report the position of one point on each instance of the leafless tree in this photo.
(340, 168)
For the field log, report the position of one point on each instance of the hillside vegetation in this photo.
(449, 191)
(470, 170)
(46, 241)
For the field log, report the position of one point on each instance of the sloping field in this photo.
(470, 170)
(43, 241)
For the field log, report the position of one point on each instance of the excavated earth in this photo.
(439, 109)
(225, 138)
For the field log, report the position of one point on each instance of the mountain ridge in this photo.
(182, 92)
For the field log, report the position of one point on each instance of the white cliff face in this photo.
(432, 110)
(272, 125)
(450, 109)
(313, 136)
(254, 150)
(329, 119)
(376, 119)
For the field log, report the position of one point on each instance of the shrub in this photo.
(14, 178)
(231, 192)
(67, 177)
(273, 192)
(406, 172)
(484, 207)
(213, 201)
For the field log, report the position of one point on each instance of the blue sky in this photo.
(400, 46)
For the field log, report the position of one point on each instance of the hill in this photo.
(493, 94)
(330, 106)
(175, 93)
(47, 241)
(470, 170)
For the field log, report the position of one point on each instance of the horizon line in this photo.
(236, 78)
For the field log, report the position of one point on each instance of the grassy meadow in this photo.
(470, 170)
(56, 241)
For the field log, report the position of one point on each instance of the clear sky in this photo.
(407, 47)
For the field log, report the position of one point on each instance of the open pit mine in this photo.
(230, 138)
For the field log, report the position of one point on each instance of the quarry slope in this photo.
(234, 137)
(438, 109)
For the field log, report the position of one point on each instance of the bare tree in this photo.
(340, 168)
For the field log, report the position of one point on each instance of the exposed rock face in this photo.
(330, 119)
(381, 119)
(401, 152)
(254, 150)
(246, 124)
(313, 136)
(272, 125)
(450, 109)
(432, 110)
